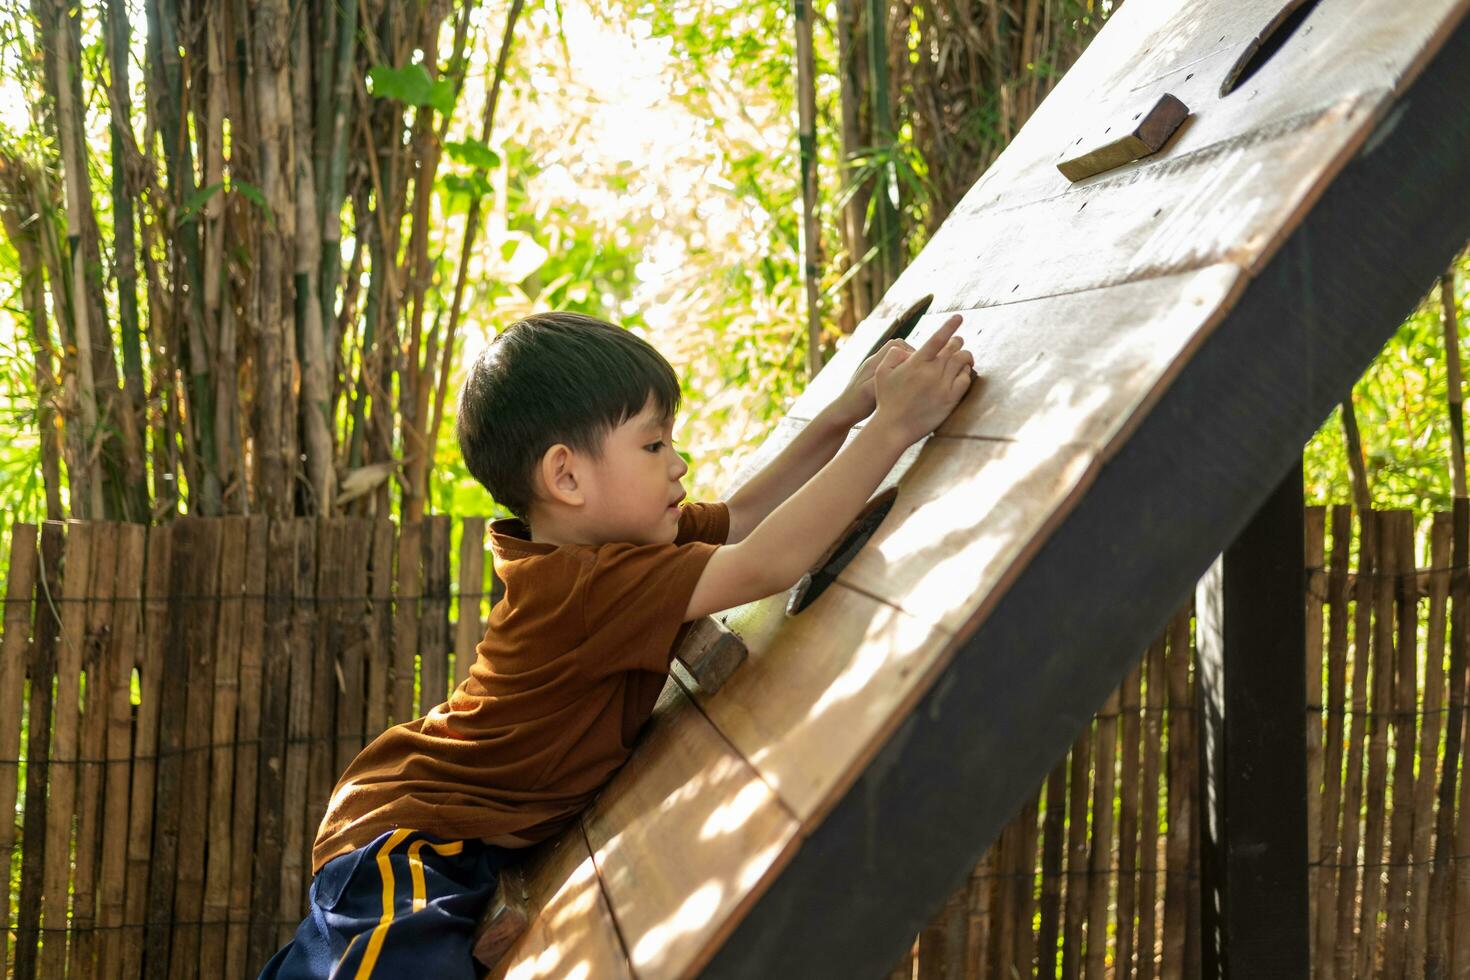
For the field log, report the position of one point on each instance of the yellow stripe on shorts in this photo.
(380, 931)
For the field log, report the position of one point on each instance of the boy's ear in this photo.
(559, 474)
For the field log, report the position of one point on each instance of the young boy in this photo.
(568, 421)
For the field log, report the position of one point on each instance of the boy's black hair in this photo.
(550, 378)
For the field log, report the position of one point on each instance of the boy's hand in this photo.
(859, 398)
(916, 391)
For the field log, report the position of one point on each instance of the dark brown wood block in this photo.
(1139, 137)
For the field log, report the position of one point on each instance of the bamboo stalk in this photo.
(1024, 890)
(1053, 828)
(1424, 802)
(1349, 868)
(1075, 905)
(1100, 859)
(811, 239)
(1126, 909)
(1148, 846)
(469, 629)
(1315, 527)
(20, 585)
(276, 719)
(1380, 706)
(1327, 856)
(247, 748)
(1449, 312)
(1404, 722)
(1181, 813)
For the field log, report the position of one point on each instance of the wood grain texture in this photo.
(20, 587)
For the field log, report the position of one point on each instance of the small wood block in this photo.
(506, 917)
(710, 653)
(1150, 131)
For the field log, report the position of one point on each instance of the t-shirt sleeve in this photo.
(633, 601)
(703, 521)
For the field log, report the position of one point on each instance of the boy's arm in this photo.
(812, 448)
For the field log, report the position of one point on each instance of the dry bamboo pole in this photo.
(223, 754)
(86, 473)
(91, 747)
(122, 651)
(1002, 902)
(150, 666)
(301, 641)
(1449, 312)
(41, 667)
(942, 941)
(1324, 876)
(1100, 859)
(196, 595)
(1348, 864)
(248, 733)
(323, 763)
(20, 586)
(315, 389)
(1128, 824)
(276, 714)
(1025, 890)
(434, 624)
(469, 627)
(351, 702)
(406, 619)
(1379, 710)
(1075, 904)
(1459, 925)
(61, 804)
(1148, 844)
(1053, 835)
(1434, 683)
(851, 72)
(380, 643)
(811, 236)
(1315, 519)
(979, 915)
(1181, 810)
(1404, 722)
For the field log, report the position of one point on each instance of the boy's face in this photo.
(631, 493)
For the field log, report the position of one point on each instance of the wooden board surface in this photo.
(1086, 306)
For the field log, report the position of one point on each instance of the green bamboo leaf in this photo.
(198, 199)
(472, 153)
(255, 196)
(410, 84)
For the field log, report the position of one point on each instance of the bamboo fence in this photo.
(175, 704)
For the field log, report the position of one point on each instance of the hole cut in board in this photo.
(903, 324)
(816, 581)
(1265, 45)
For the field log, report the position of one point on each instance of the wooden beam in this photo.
(1027, 677)
(1251, 633)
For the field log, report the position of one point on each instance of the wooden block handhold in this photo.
(505, 918)
(710, 653)
(1150, 130)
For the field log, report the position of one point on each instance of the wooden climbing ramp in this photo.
(1156, 342)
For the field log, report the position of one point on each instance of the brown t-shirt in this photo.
(573, 659)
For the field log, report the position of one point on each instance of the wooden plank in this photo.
(406, 620)
(41, 667)
(20, 586)
(1327, 857)
(434, 621)
(356, 614)
(469, 627)
(220, 853)
(573, 933)
(151, 667)
(121, 656)
(61, 804)
(276, 717)
(1420, 857)
(198, 598)
(247, 745)
(1405, 731)
(680, 837)
(379, 662)
(92, 742)
(296, 827)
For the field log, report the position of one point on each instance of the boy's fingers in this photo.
(946, 330)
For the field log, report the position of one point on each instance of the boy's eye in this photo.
(654, 446)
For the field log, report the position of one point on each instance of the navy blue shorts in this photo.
(406, 905)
